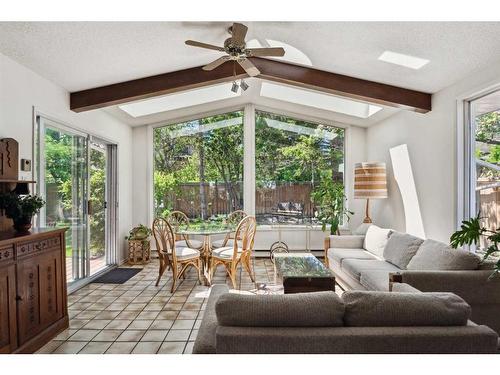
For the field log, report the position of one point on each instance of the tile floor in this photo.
(137, 317)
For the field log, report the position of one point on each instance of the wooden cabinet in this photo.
(33, 294)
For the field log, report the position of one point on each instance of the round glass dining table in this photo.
(206, 230)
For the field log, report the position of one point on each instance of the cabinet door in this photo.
(40, 288)
(50, 288)
(8, 328)
(28, 299)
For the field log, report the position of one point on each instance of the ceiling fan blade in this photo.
(204, 45)
(216, 63)
(238, 33)
(249, 67)
(277, 51)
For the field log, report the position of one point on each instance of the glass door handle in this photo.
(89, 207)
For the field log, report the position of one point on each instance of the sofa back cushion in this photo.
(400, 248)
(435, 255)
(319, 309)
(376, 239)
(393, 309)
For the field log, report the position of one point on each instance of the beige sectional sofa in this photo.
(406, 321)
(373, 260)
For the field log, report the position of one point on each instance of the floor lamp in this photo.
(370, 182)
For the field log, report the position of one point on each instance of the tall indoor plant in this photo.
(21, 209)
(470, 233)
(330, 199)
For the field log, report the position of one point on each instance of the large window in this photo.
(292, 157)
(198, 167)
(484, 171)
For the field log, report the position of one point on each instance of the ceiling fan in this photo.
(235, 49)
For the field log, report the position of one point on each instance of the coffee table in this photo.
(303, 272)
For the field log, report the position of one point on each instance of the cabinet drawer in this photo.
(33, 247)
(6, 254)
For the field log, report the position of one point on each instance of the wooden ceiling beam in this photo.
(271, 70)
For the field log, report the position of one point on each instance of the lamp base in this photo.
(367, 220)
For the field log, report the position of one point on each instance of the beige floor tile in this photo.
(95, 347)
(168, 315)
(183, 324)
(77, 323)
(107, 314)
(97, 324)
(108, 335)
(148, 314)
(131, 335)
(155, 335)
(193, 335)
(84, 334)
(178, 335)
(189, 348)
(172, 348)
(121, 348)
(146, 348)
(140, 324)
(187, 314)
(118, 324)
(162, 324)
(128, 315)
(70, 347)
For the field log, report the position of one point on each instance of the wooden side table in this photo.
(139, 251)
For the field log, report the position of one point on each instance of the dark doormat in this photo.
(117, 276)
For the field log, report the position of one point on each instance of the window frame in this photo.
(249, 110)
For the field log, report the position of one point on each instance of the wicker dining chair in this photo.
(179, 259)
(233, 218)
(241, 252)
(177, 219)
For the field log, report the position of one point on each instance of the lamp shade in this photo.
(370, 180)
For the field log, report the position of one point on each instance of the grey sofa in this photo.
(379, 258)
(322, 322)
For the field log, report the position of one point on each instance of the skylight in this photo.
(403, 60)
(292, 54)
(179, 100)
(318, 100)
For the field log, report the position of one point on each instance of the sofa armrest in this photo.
(347, 242)
(474, 286)
(343, 242)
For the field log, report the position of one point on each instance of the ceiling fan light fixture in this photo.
(244, 86)
(235, 87)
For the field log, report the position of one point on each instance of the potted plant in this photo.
(21, 209)
(470, 233)
(140, 232)
(330, 198)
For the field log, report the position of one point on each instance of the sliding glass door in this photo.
(75, 177)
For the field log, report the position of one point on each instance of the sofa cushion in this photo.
(354, 267)
(376, 239)
(391, 309)
(338, 255)
(205, 339)
(400, 248)
(344, 242)
(405, 288)
(319, 309)
(375, 280)
(435, 255)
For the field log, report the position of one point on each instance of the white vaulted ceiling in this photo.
(82, 55)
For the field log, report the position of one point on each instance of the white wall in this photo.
(142, 204)
(432, 147)
(22, 89)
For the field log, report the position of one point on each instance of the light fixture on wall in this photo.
(235, 87)
(244, 86)
(370, 182)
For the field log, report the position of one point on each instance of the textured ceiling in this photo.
(82, 55)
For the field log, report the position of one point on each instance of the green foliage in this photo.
(488, 127)
(140, 232)
(330, 199)
(470, 233)
(20, 207)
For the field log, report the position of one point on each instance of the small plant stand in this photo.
(139, 252)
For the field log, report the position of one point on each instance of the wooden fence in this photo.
(218, 200)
